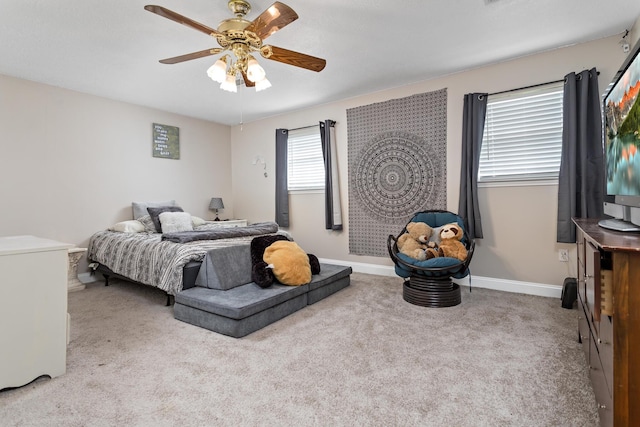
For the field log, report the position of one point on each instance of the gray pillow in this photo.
(154, 213)
(140, 208)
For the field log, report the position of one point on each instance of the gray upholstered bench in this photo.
(226, 301)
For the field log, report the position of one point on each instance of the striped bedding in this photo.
(145, 258)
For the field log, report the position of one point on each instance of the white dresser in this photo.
(33, 318)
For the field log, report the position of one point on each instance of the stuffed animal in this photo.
(450, 245)
(415, 242)
(275, 258)
(260, 274)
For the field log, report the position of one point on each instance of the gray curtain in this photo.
(282, 190)
(475, 109)
(581, 178)
(332, 205)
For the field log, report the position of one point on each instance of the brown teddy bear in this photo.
(415, 242)
(450, 245)
(276, 259)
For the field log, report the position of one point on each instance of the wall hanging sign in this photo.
(166, 141)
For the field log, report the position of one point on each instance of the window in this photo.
(305, 162)
(522, 138)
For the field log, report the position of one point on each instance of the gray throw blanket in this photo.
(222, 233)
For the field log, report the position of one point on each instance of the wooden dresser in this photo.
(609, 318)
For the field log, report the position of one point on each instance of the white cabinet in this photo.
(33, 318)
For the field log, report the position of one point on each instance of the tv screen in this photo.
(622, 130)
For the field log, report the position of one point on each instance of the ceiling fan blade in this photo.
(190, 56)
(247, 82)
(277, 16)
(169, 14)
(297, 59)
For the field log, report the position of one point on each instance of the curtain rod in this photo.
(310, 126)
(304, 127)
(529, 87)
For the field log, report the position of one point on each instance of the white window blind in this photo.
(305, 161)
(522, 137)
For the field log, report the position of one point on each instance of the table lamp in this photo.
(215, 204)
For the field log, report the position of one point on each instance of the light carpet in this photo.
(361, 357)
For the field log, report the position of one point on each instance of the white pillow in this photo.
(131, 226)
(173, 222)
(196, 221)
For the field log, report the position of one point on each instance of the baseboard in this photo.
(529, 288)
(515, 286)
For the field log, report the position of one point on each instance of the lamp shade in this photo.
(255, 72)
(218, 71)
(263, 84)
(216, 203)
(229, 84)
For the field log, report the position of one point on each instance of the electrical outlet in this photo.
(563, 255)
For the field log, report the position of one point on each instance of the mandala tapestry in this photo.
(397, 166)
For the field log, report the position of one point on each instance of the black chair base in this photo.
(431, 292)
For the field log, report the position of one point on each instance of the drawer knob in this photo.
(601, 406)
(602, 342)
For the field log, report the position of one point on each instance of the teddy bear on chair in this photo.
(415, 242)
(450, 244)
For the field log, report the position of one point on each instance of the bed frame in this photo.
(189, 275)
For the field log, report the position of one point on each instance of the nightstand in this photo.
(231, 223)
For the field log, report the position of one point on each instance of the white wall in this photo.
(519, 222)
(71, 164)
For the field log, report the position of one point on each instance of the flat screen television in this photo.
(621, 128)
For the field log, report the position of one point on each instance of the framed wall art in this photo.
(166, 141)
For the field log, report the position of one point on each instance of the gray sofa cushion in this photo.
(239, 302)
(244, 309)
(238, 328)
(225, 268)
(328, 273)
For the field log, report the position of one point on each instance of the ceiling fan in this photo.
(242, 38)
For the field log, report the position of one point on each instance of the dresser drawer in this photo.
(581, 268)
(604, 344)
(583, 331)
(592, 284)
(604, 400)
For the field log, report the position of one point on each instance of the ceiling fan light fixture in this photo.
(218, 71)
(229, 84)
(239, 38)
(263, 84)
(255, 72)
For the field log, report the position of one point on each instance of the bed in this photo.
(166, 260)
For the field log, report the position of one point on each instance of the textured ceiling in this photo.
(111, 48)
